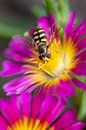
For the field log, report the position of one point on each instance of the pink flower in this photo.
(40, 112)
(68, 57)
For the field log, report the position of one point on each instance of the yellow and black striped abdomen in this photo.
(39, 36)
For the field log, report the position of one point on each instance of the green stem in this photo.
(82, 111)
(51, 6)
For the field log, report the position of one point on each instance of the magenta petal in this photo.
(33, 87)
(11, 68)
(52, 20)
(82, 55)
(44, 23)
(42, 108)
(51, 113)
(80, 69)
(18, 44)
(65, 89)
(3, 124)
(45, 109)
(67, 119)
(25, 101)
(11, 114)
(37, 102)
(79, 84)
(47, 23)
(69, 29)
(81, 46)
(19, 47)
(76, 126)
(17, 86)
(31, 31)
(57, 110)
(80, 31)
(13, 55)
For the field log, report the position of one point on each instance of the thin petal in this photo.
(48, 113)
(11, 114)
(80, 69)
(3, 123)
(67, 119)
(57, 110)
(80, 31)
(11, 68)
(25, 100)
(19, 48)
(13, 55)
(43, 22)
(31, 31)
(17, 86)
(48, 24)
(79, 84)
(65, 89)
(52, 20)
(81, 55)
(69, 29)
(45, 109)
(76, 126)
(37, 102)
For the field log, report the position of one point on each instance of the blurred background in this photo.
(16, 16)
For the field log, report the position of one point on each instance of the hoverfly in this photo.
(40, 43)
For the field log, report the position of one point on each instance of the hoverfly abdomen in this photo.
(39, 36)
(40, 43)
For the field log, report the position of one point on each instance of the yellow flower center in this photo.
(62, 60)
(26, 124)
